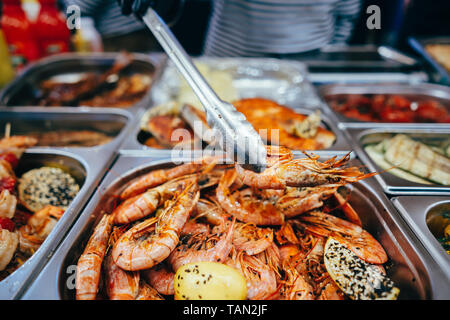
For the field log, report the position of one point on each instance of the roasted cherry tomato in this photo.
(11, 158)
(391, 115)
(431, 110)
(399, 102)
(21, 217)
(6, 223)
(378, 103)
(7, 183)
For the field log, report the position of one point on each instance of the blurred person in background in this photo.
(270, 27)
(123, 32)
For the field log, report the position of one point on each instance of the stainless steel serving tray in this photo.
(392, 184)
(410, 266)
(26, 120)
(86, 164)
(440, 74)
(136, 138)
(283, 81)
(433, 91)
(416, 210)
(22, 90)
(366, 78)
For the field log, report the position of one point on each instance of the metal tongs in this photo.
(235, 135)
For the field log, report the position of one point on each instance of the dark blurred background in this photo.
(399, 19)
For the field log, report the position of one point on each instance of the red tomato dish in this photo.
(390, 108)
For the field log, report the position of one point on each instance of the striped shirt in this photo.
(107, 15)
(263, 27)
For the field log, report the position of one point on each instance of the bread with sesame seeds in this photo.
(358, 279)
(44, 186)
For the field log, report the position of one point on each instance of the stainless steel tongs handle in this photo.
(235, 135)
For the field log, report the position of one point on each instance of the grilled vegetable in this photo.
(356, 278)
(377, 157)
(209, 281)
(418, 158)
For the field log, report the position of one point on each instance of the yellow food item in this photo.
(441, 53)
(7, 73)
(220, 81)
(209, 281)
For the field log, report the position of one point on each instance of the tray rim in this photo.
(393, 185)
(404, 205)
(434, 273)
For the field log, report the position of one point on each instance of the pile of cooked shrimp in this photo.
(271, 227)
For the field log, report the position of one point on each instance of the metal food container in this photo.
(368, 78)
(136, 139)
(359, 64)
(29, 120)
(440, 73)
(285, 82)
(418, 211)
(23, 90)
(391, 184)
(430, 91)
(86, 164)
(410, 266)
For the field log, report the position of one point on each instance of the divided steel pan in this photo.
(419, 212)
(285, 82)
(424, 90)
(86, 164)
(392, 184)
(410, 266)
(25, 88)
(136, 139)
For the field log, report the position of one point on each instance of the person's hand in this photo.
(169, 10)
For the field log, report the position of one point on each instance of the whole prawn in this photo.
(142, 205)
(249, 210)
(353, 236)
(300, 200)
(120, 284)
(161, 278)
(198, 248)
(151, 241)
(157, 177)
(304, 172)
(90, 262)
(261, 279)
(38, 227)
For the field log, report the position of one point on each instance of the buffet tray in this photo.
(392, 184)
(368, 78)
(440, 74)
(285, 82)
(133, 141)
(73, 65)
(86, 164)
(410, 267)
(415, 210)
(431, 90)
